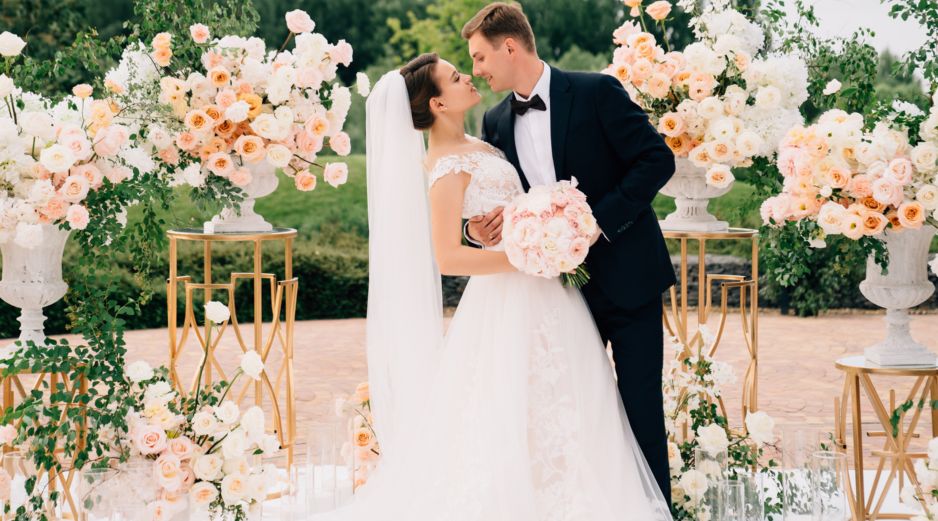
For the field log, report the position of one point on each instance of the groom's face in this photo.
(491, 62)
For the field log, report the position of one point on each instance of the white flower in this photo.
(57, 158)
(279, 156)
(928, 196)
(6, 86)
(712, 438)
(203, 494)
(233, 489)
(768, 97)
(269, 444)
(208, 467)
(227, 412)
(139, 371)
(237, 111)
(204, 423)
(363, 84)
(252, 365)
(760, 426)
(832, 87)
(139, 159)
(10, 44)
(720, 176)
(925, 157)
(235, 444)
(159, 392)
(28, 235)
(252, 421)
(37, 123)
(217, 312)
(194, 176)
(694, 484)
(817, 243)
(257, 487)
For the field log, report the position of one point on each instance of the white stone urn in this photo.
(904, 286)
(32, 279)
(263, 183)
(691, 195)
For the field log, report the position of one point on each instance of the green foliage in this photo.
(924, 12)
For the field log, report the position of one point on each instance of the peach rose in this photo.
(298, 21)
(167, 470)
(893, 217)
(679, 145)
(170, 155)
(671, 124)
(74, 189)
(317, 126)
(55, 209)
(336, 174)
(182, 447)
(852, 226)
(341, 143)
(219, 163)
(110, 140)
(659, 10)
(203, 493)
(254, 101)
(186, 141)
(658, 85)
(307, 143)
(240, 177)
(90, 172)
(225, 98)
(632, 3)
(162, 40)
(162, 56)
(117, 174)
(304, 181)
(250, 148)
(872, 204)
(860, 186)
(199, 33)
(225, 128)
(911, 214)
(82, 90)
(149, 439)
(622, 72)
(219, 76)
(873, 222)
(213, 112)
(198, 121)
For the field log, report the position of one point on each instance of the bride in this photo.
(514, 415)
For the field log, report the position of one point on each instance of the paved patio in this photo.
(797, 378)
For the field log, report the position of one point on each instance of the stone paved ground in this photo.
(797, 378)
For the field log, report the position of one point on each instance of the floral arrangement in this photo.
(924, 497)
(692, 390)
(53, 156)
(247, 108)
(858, 183)
(715, 102)
(200, 446)
(548, 232)
(364, 451)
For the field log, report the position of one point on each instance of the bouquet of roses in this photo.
(717, 102)
(548, 230)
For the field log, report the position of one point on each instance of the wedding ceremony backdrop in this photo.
(196, 168)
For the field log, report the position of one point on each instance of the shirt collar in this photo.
(541, 88)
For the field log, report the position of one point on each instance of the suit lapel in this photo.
(561, 100)
(506, 131)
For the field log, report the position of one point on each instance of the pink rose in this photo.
(170, 155)
(74, 189)
(659, 10)
(241, 177)
(199, 33)
(305, 181)
(299, 22)
(900, 171)
(149, 439)
(341, 53)
(110, 140)
(309, 78)
(225, 98)
(336, 174)
(167, 470)
(116, 174)
(78, 144)
(579, 247)
(308, 143)
(77, 217)
(7, 434)
(341, 143)
(91, 173)
(886, 191)
(860, 186)
(211, 59)
(82, 90)
(182, 447)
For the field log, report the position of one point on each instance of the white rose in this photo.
(266, 126)
(761, 427)
(6, 86)
(257, 488)
(269, 444)
(237, 111)
(35, 123)
(160, 138)
(925, 156)
(233, 489)
(279, 155)
(832, 87)
(194, 176)
(41, 191)
(228, 412)
(235, 444)
(694, 484)
(712, 438)
(252, 421)
(204, 423)
(10, 44)
(928, 196)
(139, 371)
(217, 312)
(710, 108)
(237, 465)
(363, 84)
(252, 365)
(57, 159)
(207, 467)
(768, 97)
(203, 494)
(720, 176)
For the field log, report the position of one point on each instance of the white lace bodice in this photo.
(494, 183)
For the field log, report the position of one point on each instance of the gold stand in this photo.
(276, 383)
(857, 376)
(675, 314)
(15, 389)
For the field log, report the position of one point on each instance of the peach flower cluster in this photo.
(853, 182)
(248, 107)
(714, 102)
(364, 452)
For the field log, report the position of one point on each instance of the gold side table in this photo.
(274, 391)
(677, 310)
(16, 388)
(858, 375)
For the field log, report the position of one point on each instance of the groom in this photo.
(556, 125)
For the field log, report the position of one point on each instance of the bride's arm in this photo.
(446, 198)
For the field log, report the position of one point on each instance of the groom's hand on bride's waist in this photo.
(486, 229)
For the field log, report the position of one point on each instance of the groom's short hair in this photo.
(498, 21)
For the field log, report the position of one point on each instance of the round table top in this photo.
(732, 233)
(198, 234)
(860, 364)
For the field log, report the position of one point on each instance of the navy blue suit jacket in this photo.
(601, 137)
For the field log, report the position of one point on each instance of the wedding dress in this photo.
(522, 420)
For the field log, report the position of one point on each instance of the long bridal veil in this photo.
(405, 323)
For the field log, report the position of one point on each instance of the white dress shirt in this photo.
(532, 136)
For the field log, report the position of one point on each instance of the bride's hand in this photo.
(487, 229)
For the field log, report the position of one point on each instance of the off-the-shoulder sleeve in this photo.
(452, 165)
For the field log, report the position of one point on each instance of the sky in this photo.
(843, 17)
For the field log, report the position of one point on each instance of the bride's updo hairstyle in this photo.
(418, 76)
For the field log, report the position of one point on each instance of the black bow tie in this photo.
(520, 107)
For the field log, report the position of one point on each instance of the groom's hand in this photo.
(487, 229)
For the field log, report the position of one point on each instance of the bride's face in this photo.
(457, 93)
